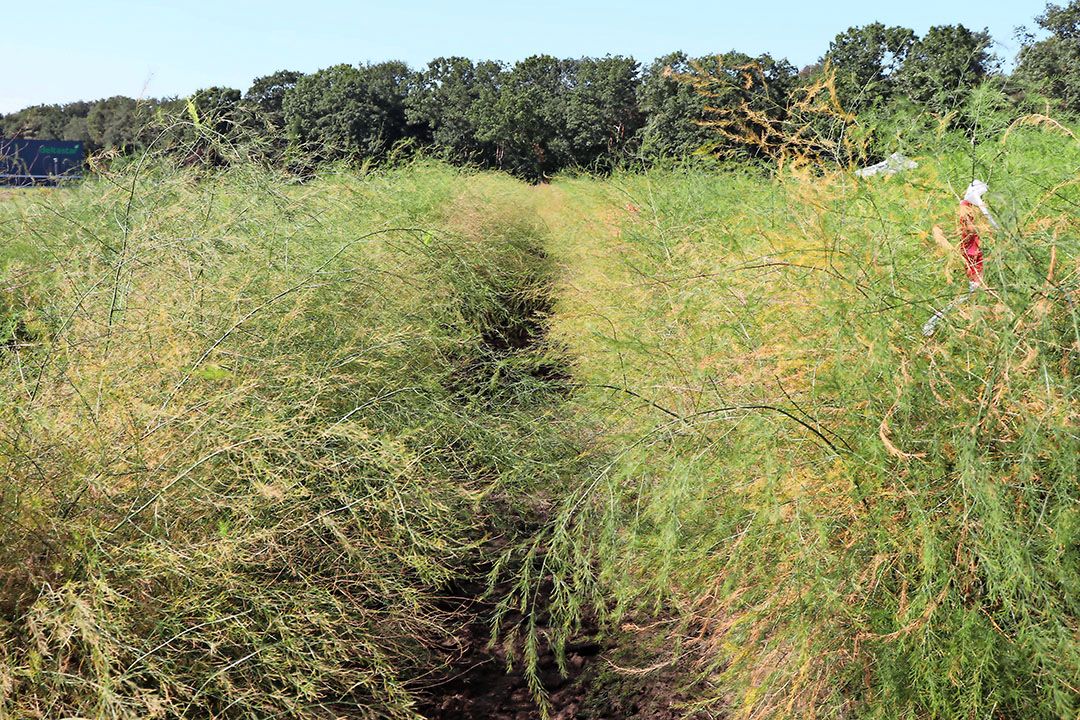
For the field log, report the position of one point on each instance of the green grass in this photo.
(837, 515)
(256, 437)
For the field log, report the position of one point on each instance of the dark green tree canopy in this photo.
(602, 116)
(527, 122)
(346, 111)
(264, 100)
(672, 109)
(38, 121)
(680, 96)
(1052, 66)
(943, 66)
(866, 60)
(1061, 21)
(66, 122)
(118, 122)
(544, 114)
(441, 106)
(389, 83)
(217, 108)
(323, 110)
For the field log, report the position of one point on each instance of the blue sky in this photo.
(64, 50)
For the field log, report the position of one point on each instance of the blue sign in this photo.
(39, 162)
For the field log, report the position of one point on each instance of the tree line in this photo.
(543, 114)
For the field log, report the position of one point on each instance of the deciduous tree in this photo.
(264, 100)
(672, 109)
(944, 65)
(1052, 65)
(441, 105)
(348, 111)
(118, 122)
(602, 113)
(526, 121)
(866, 61)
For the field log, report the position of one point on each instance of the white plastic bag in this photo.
(889, 166)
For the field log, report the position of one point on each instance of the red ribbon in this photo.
(969, 243)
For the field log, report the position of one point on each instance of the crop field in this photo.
(667, 441)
